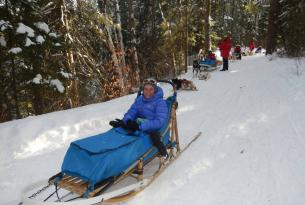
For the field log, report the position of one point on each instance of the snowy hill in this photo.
(251, 152)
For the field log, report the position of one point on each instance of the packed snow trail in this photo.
(252, 150)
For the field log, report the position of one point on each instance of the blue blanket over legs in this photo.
(208, 61)
(99, 157)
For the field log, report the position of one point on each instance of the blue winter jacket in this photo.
(154, 110)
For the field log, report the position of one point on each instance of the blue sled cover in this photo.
(99, 157)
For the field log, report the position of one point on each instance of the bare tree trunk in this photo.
(207, 44)
(72, 91)
(272, 26)
(13, 95)
(120, 36)
(111, 47)
(172, 51)
(121, 54)
(181, 36)
(186, 37)
(115, 59)
(14, 99)
(134, 43)
(232, 15)
(171, 39)
(223, 14)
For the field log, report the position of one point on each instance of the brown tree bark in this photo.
(13, 94)
(207, 44)
(72, 91)
(272, 26)
(120, 35)
(186, 35)
(133, 44)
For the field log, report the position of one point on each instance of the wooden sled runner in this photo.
(74, 190)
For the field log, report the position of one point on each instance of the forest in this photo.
(62, 54)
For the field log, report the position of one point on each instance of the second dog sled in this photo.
(208, 67)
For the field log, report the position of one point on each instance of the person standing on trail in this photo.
(149, 113)
(251, 47)
(225, 48)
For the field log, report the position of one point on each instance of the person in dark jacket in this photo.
(225, 48)
(149, 113)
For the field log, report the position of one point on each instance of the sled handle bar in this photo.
(169, 82)
(173, 85)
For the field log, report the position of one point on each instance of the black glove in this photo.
(131, 125)
(117, 123)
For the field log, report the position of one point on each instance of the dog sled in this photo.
(209, 67)
(202, 67)
(110, 167)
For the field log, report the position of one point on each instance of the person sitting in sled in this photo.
(152, 111)
(237, 52)
(210, 59)
(259, 49)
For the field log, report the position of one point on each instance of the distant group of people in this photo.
(225, 47)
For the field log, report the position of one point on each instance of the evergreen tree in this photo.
(292, 27)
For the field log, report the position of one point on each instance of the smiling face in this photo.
(148, 91)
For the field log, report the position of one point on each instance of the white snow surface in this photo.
(42, 26)
(37, 79)
(58, 85)
(251, 152)
(25, 29)
(2, 41)
(28, 42)
(66, 75)
(15, 50)
(4, 25)
(54, 35)
(40, 39)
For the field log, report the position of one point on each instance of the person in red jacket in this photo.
(251, 47)
(225, 48)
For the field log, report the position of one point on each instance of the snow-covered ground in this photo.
(252, 150)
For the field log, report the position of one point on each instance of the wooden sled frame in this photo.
(81, 188)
